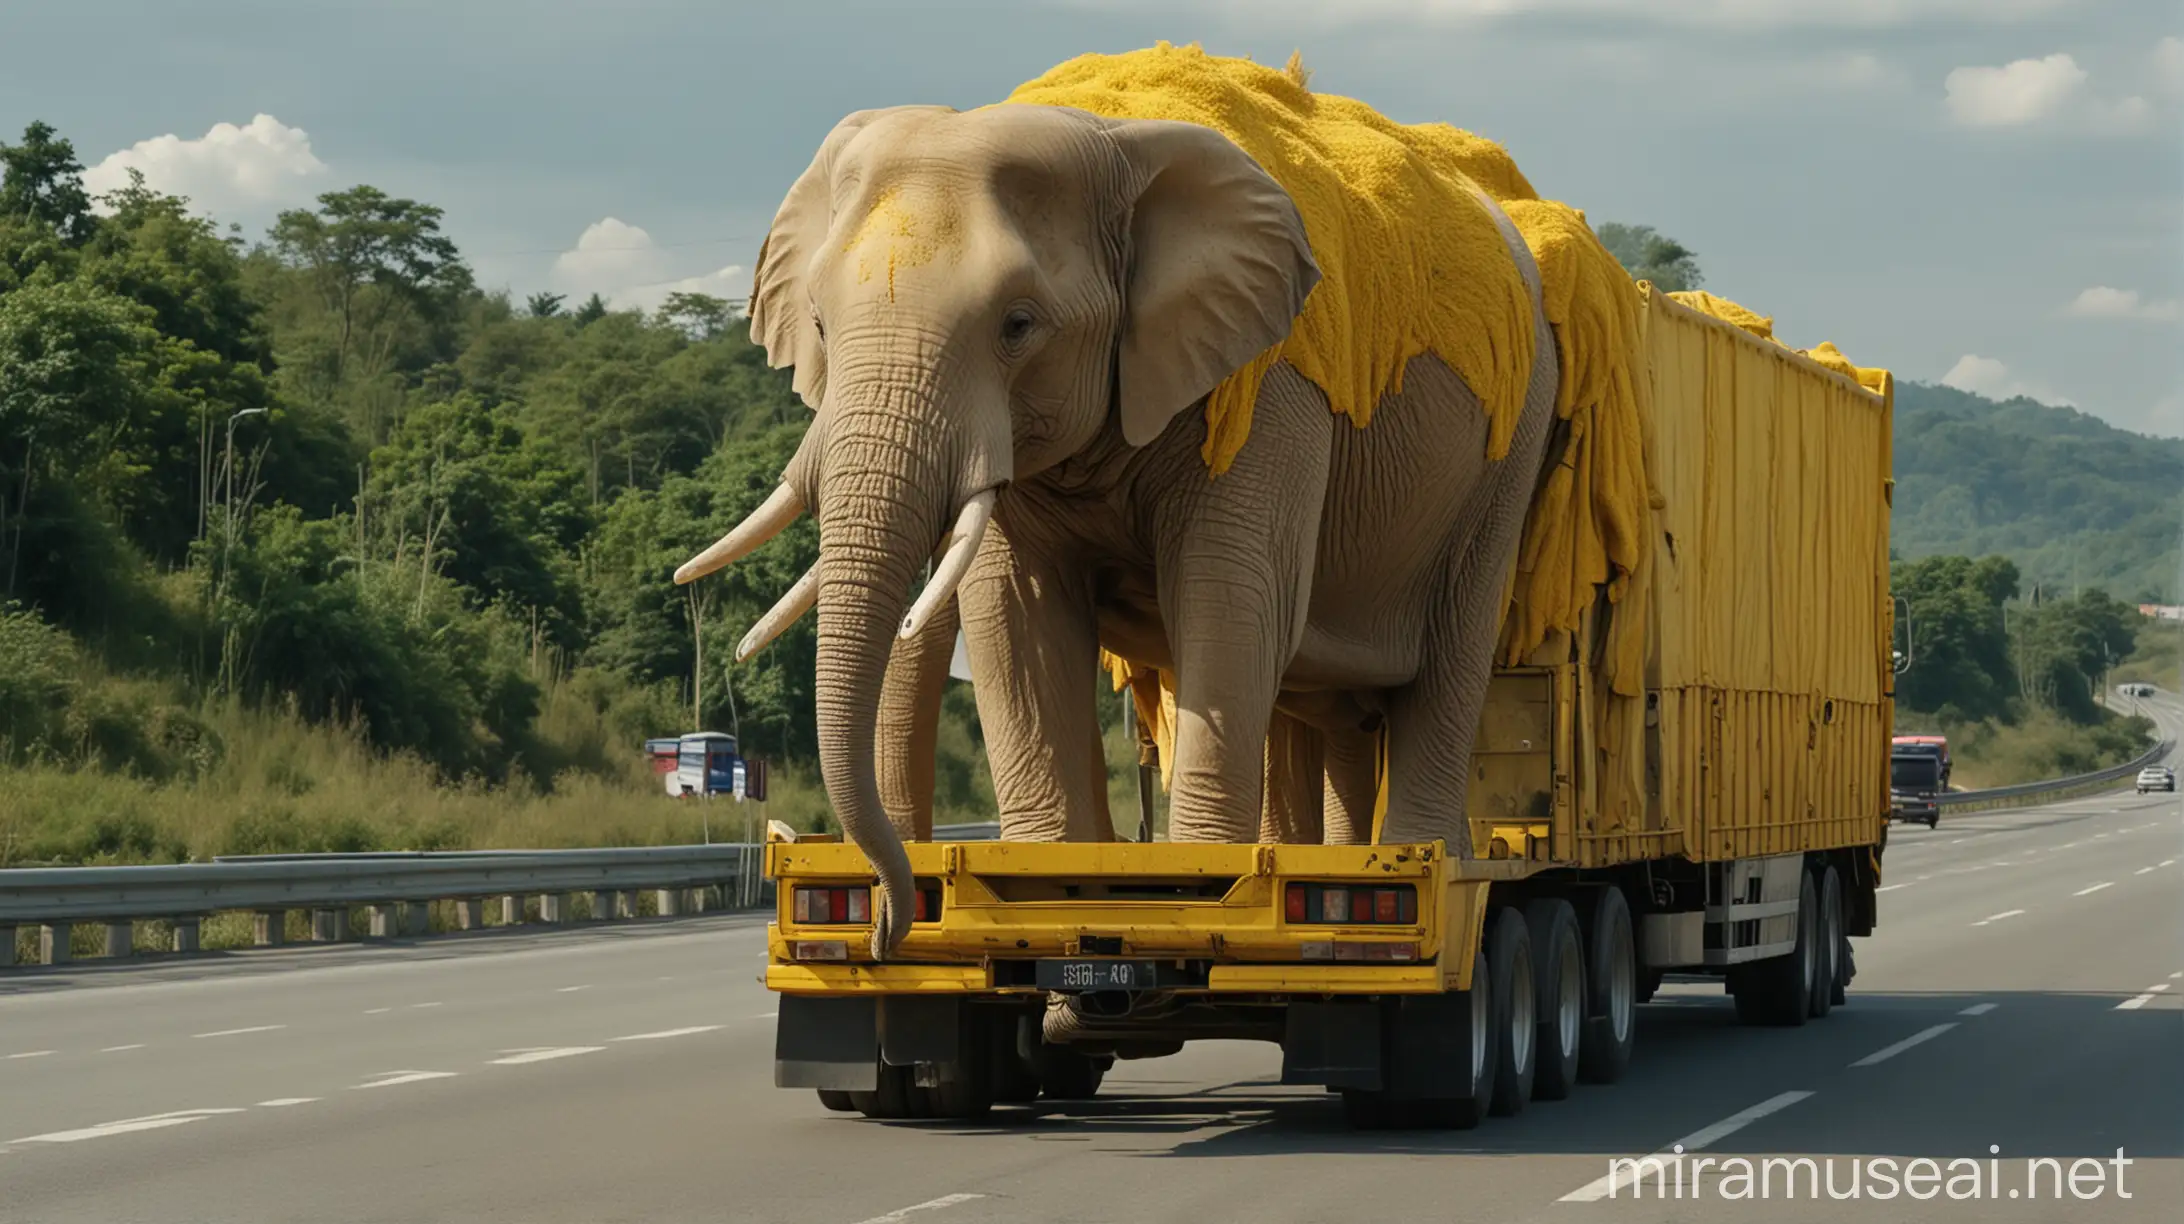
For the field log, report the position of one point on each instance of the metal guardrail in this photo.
(2056, 787)
(396, 886)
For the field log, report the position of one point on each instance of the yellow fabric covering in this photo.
(1760, 325)
(1412, 262)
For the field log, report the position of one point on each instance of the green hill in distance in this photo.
(2073, 500)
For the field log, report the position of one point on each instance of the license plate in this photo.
(1099, 975)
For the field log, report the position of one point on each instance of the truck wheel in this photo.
(1559, 956)
(1611, 991)
(1934, 821)
(893, 1098)
(837, 1100)
(1066, 1075)
(1777, 990)
(1827, 943)
(1516, 1013)
(1015, 1079)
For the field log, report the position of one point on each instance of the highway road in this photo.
(2024, 998)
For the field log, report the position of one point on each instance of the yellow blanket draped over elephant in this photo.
(1412, 263)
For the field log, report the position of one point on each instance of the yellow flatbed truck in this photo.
(1724, 817)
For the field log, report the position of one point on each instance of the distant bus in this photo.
(706, 764)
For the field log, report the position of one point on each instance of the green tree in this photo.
(1650, 256)
(41, 181)
(545, 305)
(1960, 662)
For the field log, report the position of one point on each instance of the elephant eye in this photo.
(1016, 328)
(818, 326)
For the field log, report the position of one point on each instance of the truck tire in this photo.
(1777, 990)
(1611, 991)
(1516, 1012)
(837, 1100)
(896, 1097)
(1827, 942)
(1065, 1075)
(1558, 956)
(1477, 1043)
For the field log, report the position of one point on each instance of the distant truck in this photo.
(1727, 821)
(705, 763)
(1918, 775)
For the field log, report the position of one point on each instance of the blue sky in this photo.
(1987, 192)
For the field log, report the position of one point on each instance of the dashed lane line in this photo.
(1998, 917)
(1919, 1038)
(2086, 892)
(518, 1058)
(903, 1213)
(118, 1049)
(282, 1102)
(126, 1126)
(237, 1032)
(1697, 1140)
(681, 1032)
(1979, 1009)
(390, 1079)
(29, 1054)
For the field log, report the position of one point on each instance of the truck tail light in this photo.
(852, 906)
(1350, 905)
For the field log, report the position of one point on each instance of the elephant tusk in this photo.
(970, 528)
(780, 508)
(794, 604)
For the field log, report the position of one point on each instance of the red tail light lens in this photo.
(853, 906)
(1347, 905)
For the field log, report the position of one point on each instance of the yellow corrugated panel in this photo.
(1770, 588)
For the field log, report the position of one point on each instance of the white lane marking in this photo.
(1920, 879)
(945, 1200)
(237, 1032)
(520, 1057)
(2096, 888)
(388, 1079)
(1998, 917)
(424, 1005)
(2166, 863)
(279, 1102)
(2178, 974)
(126, 1126)
(765, 1015)
(1887, 888)
(2142, 871)
(1600, 1188)
(1979, 1009)
(29, 1054)
(377, 1011)
(2157, 987)
(2098, 836)
(2135, 1002)
(571, 989)
(681, 1032)
(118, 1049)
(1919, 1038)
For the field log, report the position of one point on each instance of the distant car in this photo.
(2156, 778)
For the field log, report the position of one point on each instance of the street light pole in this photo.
(227, 498)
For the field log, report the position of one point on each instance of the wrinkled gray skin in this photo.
(1034, 301)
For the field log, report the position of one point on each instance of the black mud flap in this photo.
(827, 1043)
(1336, 1044)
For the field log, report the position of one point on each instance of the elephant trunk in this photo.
(890, 479)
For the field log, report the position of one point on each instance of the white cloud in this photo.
(2015, 94)
(1991, 378)
(1726, 14)
(2169, 64)
(2102, 302)
(263, 162)
(621, 263)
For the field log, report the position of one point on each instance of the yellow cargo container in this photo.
(1715, 803)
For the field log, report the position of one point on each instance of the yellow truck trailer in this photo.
(1723, 815)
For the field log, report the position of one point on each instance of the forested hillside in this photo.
(308, 541)
(2074, 501)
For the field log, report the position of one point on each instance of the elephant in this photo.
(1003, 320)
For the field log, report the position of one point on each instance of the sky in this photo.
(1984, 193)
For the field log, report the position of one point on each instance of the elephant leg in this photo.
(1235, 563)
(1350, 760)
(1034, 648)
(908, 728)
(1291, 807)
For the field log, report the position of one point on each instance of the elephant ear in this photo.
(780, 288)
(1219, 269)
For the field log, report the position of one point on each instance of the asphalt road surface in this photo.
(2024, 999)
